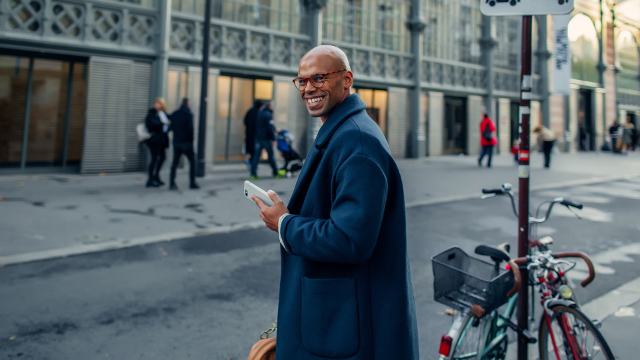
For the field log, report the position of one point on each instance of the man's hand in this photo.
(271, 214)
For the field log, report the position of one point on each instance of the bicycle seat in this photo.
(497, 255)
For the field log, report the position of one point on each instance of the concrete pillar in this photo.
(416, 144)
(487, 44)
(602, 69)
(312, 23)
(398, 124)
(161, 63)
(504, 121)
(543, 54)
(436, 123)
(474, 117)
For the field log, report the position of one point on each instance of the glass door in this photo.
(236, 96)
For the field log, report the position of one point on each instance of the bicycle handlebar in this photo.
(493, 191)
(567, 202)
(585, 258)
(517, 278)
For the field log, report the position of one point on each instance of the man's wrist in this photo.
(280, 234)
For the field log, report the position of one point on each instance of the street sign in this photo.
(561, 56)
(526, 7)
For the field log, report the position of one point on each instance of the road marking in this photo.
(608, 304)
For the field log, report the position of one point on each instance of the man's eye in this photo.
(302, 82)
(318, 78)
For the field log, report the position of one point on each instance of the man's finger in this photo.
(274, 197)
(259, 202)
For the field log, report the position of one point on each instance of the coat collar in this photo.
(351, 105)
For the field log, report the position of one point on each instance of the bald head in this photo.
(331, 53)
(324, 79)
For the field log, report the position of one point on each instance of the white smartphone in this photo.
(251, 189)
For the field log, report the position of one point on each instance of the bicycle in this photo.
(480, 330)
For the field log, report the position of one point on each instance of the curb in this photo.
(122, 244)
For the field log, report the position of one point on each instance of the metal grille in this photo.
(118, 97)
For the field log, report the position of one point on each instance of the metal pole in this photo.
(67, 115)
(204, 90)
(523, 183)
(27, 117)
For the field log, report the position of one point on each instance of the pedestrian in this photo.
(265, 138)
(157, 123)
(182, 128)
(614, 135)
(487, 139)
(250, 119)
(628, 132)
(548, 140)
(345, 289)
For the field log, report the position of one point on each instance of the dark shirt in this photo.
(265, 130)
(182, 125)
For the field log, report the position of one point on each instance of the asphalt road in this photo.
(210, 297)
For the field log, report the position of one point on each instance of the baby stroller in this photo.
(292, 160)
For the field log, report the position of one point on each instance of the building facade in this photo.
(77, 76)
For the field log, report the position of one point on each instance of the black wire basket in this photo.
(460, 281)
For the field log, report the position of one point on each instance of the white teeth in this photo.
(314, 100)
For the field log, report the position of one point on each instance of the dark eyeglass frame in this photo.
(315, 84)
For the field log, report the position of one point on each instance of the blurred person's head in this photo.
(324, 79)
(185, 102)
(159, 104)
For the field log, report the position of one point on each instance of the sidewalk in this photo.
(55, 215)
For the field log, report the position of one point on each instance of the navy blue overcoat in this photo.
(345, 288)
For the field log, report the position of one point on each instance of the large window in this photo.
(452, 29)
(282, 15)
(584, 48)
(628, 61)
(507, 35)
(42, 110)
(375, 23)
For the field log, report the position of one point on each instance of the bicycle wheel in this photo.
(572, 336)
(470, 343)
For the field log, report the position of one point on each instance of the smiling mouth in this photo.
(314, 100)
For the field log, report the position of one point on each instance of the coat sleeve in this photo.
(350, 233)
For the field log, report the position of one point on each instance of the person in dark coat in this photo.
(345, 286)
(265, 137)
(182, 128)
(157, 123)
(487, 139)
(250, 119)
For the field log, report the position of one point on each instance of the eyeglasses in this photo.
(317, 80)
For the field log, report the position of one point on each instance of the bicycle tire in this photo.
(469, 343)
(579, 322)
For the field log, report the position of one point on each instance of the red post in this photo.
(523, 182)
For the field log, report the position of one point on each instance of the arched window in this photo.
(628, 61)
(584, 48)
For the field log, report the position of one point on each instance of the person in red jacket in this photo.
(487, 139)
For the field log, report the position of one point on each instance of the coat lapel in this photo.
(351, 105)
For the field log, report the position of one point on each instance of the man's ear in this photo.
(348, 80)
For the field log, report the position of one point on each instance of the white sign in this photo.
(526, 7)
(561, 60)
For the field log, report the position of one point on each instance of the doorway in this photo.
(586, 123)
(376, 101)
(236, 96)
(42, 111)
(455, 125)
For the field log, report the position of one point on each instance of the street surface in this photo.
(210, 296)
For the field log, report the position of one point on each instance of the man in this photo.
(250, 130)
(487, 140)
(182, 127)
(265, 137)
(345, 288)
(548, 140)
